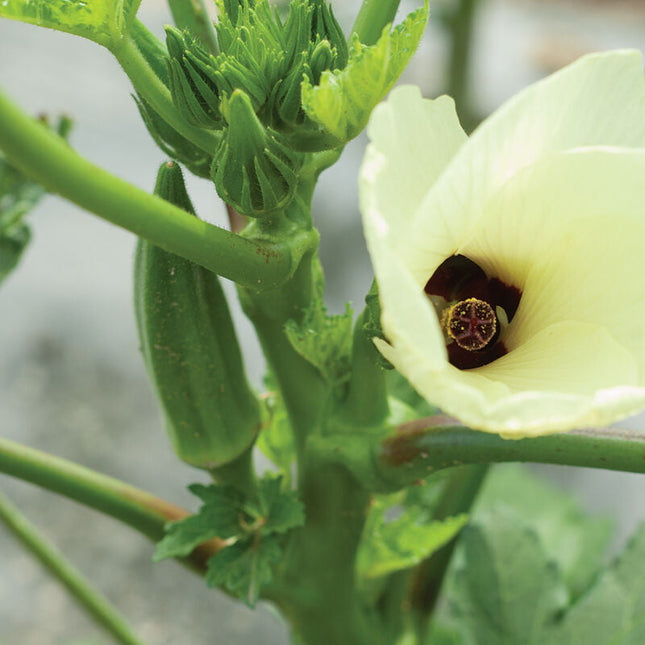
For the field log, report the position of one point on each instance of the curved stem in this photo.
(150, 87)
(372, 18)
(96, 605)
(48, 160)
(428, 445)
(132, 506)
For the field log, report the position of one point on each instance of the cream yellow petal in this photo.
(412, 141)
(594, 273)
(560, 379)
(545, 206)
(465, 395)
(568, 375)
(599, 100)
(569, 357)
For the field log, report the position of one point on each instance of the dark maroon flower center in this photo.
(470, 317)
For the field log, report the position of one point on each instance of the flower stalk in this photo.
(372, 18)
(422, 447)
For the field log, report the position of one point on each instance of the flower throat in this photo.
(470, 304)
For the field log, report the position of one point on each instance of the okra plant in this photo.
(504, 324)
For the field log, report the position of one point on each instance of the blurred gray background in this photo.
(71, 378)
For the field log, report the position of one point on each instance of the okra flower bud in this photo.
(192, 81)
(253, 169)
(510, 264)
(174, 144)
(191, 350)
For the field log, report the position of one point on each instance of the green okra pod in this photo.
(191, 350)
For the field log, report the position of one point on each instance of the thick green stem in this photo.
(302, 386)
(425, 446)
(316, 589)
(48, 160)
(192, 16)
(458, 496)
(318, 593)
(96, 605)
(149, 86)
(366, 403)
(372, 18)
(132, 506)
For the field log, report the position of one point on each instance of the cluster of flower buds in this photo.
(251, 91)
(262, 56)
(272, 90)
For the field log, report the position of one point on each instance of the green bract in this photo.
(102, 21)
(343, 100)
(547, 197)
(254, 170)
(174, 144)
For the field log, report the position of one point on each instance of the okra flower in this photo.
(511, 264)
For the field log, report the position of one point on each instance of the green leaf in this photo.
(324, 341)
(245, 567)
(227, 515)
(575, 541)
(343, 100)
(444, 632)
(219, 516)
(102, 21)
(372, 325)
(281, 508)
(18, 195)
(12, 244)
(403, 542)
(613, 611)
(508, 588)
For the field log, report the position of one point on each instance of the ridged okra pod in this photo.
(191, 350)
